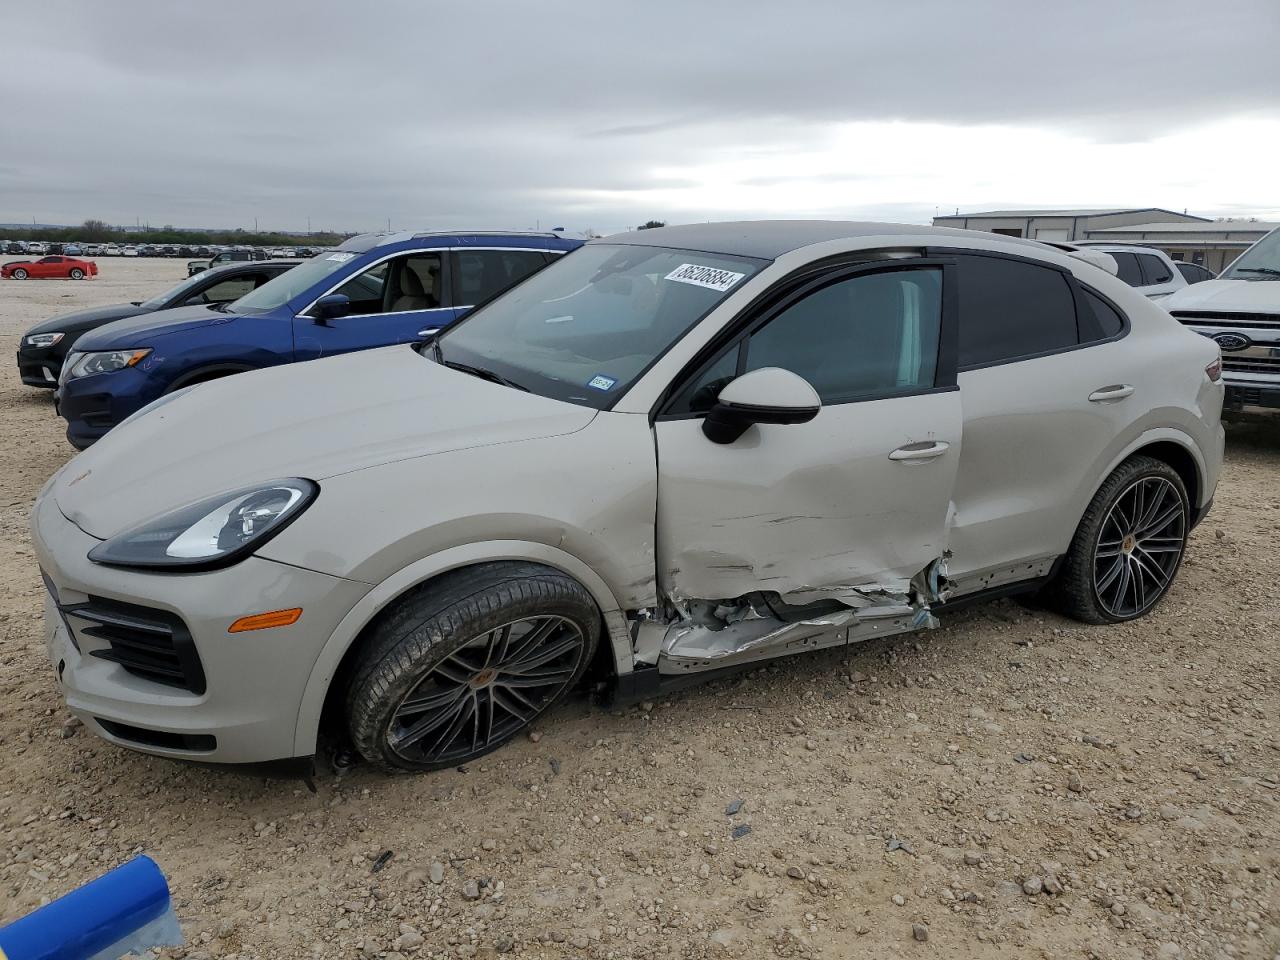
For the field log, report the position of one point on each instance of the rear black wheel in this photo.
(1129, 545)
(457, 669)
(76, 273)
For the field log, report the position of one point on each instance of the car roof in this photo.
(770, 239)
(244, 266)
(364, 242)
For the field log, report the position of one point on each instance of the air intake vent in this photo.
(151, 644)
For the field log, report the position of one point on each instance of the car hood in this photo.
(1244, 296)
(314, 420)
(87, 319)
(14, 263)
(140, 331)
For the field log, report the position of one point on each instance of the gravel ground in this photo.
(1013, 784)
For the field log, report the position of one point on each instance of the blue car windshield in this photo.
(586, 327)
(291, 283)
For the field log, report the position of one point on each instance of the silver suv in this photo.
(672, 453)
(1240, 311)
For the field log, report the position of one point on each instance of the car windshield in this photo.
(289, 284)
(1259, 262)
(175, 293)
(586, 327)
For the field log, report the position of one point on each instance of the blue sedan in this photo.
(374, 290)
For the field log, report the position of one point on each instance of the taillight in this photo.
(1214, 370)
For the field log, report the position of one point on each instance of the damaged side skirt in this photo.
(709, 635)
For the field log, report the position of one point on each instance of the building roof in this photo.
(1097, 212)
(1214, 226)
(770, 239)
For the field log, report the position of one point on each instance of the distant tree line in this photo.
(98, 231)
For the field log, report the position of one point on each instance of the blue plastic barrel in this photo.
(97, 917)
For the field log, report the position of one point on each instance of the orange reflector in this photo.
(265, 621)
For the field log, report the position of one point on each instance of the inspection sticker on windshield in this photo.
(601, 382)
(340, 257)
(709, 277)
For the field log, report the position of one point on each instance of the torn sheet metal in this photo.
(711, 634)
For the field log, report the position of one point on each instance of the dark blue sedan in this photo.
(374, 290)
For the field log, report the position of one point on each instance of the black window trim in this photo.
(1148, 279)
(794, 287)
(1076, 295)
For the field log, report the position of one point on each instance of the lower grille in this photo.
(202, 742)
(151, 644)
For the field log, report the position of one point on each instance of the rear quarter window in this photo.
(1010, 309)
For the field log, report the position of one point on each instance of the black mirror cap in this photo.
(332, 307)
(726, 422)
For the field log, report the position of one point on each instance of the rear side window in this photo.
(1011, 309)
(481, 274)
(1107, 321)
(1154, 268)
(1127, 267)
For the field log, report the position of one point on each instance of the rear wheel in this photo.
(457, 669)
(76, 273)
(19, 274)
(1129, 545)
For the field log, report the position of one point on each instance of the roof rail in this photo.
(489, 233)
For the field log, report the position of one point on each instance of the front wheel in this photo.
(77, 274)
(1129, 545)
(19, 274)
(456, 669)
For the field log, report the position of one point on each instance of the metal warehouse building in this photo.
(1211, 243)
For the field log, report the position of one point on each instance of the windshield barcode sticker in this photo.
(709, 277)
(340, 257)
(601, 382)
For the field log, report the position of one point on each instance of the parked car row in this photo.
(34, 247)
(660, 457)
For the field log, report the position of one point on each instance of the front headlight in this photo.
(42, 340)
(107, 361)
(212, 533)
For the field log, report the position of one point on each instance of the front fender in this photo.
(344, 635)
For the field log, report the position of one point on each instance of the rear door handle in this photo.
(1116, 391)
(925, 450)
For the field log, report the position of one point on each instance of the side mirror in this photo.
(767, 395)
(332, 307)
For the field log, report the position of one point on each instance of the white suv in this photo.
(1146, 269)
(671, 453)
(1240, 311)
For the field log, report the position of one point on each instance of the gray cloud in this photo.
(498, 114)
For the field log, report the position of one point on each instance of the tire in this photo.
(456, 669)
(1118, 569)
(19, 274)
(76, 274)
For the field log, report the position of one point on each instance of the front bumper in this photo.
(252, 682)
(1250, 398)
(39, 367)
(93, 405)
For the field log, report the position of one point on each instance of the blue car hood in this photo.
(140, 331)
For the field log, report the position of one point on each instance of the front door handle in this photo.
(925, 450)
(1116, 391)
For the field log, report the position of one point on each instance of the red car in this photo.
(47, 268)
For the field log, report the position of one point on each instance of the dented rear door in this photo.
(851, 505)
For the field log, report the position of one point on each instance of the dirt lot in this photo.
(1011, 785)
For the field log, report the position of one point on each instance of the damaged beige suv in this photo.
(670, 454)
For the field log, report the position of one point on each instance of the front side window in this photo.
(479, 275)
(1010, 309)
(588, 325)
(232, 288)
(874, 335)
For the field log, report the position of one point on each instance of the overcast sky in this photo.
(604, 114)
